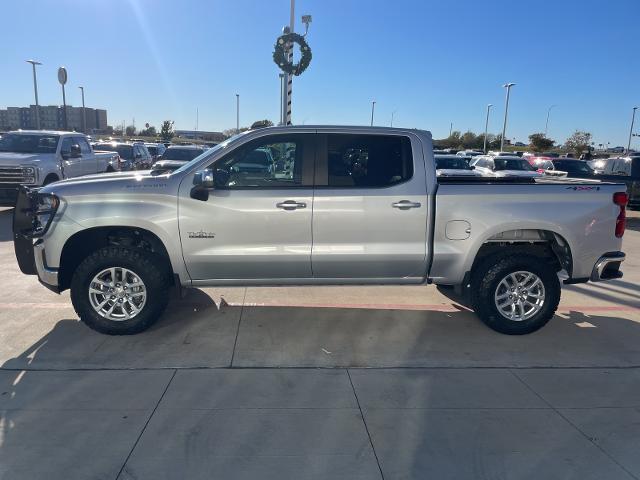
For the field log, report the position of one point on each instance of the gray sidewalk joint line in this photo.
(235, 342)
(574, 426)
(124, 464)
(364, 422)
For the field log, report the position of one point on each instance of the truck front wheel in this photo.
(120, 291)
(515, 294)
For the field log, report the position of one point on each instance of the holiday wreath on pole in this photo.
(280, 53)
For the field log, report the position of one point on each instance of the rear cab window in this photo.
(364, 161)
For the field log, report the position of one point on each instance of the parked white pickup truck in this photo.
(335, 205)
(39, 157)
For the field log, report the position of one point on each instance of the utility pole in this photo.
(486, 128)
(373, 107)
(35, 90)
(506, 112)
(633, 118)
(546, 125)
(84, 114)
(237, 113)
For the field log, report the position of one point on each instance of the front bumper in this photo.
(47, 276)
(608, 267)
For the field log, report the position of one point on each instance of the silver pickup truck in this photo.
(40, 157)
(334, 205)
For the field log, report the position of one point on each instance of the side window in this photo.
(273, 162)
(365, 161)
(136, 151)
(85, 149)
(66, 145)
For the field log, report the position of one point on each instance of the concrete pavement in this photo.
(412, 385)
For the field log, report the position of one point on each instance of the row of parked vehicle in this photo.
(503, 164)
(144, 156)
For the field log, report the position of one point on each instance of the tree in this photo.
(166, 131)
(539, 142)
(148, 132)
(579, 142)
(261, 124)
(130, 131)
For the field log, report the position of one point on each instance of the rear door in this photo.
(370, 208)
(258, 225)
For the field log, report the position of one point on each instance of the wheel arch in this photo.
(83, 243)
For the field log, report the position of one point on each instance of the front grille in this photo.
(11, 177)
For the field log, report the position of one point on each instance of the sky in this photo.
(431, 62)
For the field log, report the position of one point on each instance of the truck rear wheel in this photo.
(515, 295)
(120, 291)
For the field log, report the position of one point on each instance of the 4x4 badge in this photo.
(201, 234)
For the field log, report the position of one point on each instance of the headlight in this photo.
(46, 205)
(29, 175)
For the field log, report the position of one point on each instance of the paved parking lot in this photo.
(320, 383)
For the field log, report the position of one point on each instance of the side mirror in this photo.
(203, 179)
(75, 151)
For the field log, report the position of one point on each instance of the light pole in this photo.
(282, 95)
(84, 114)
(506, 112)
(486, 127)
(546, 125)
(373, 107)
(393, 115)
(450, 129)
(633, 118)
(237, 113)
(35, 90)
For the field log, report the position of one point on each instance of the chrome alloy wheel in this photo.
(117, 294)
(519, 296)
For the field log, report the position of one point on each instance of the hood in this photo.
(15, 158)
(100, 182)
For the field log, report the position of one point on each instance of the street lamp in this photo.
(546, 125)
(35, 90)
(373, 107)
(237, 113)
(506, 112)
(84, 114)
(633, 118)
(486, 127)
(393, 114)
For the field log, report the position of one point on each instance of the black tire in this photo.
(149, 269)
(50, 179)
(486, 278)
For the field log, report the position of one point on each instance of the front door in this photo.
(258, 224)
(370, 208)
(72, 166)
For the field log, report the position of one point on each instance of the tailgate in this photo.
(22, 226)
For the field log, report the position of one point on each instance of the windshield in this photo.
(21, 143)
(125, 151)
(513, 164)
(184, 154)
(452, 163)
(573, 166)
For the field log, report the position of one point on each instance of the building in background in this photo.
(51, 118)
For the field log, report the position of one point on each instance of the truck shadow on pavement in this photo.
(198, 332)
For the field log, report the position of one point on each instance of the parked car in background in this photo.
(175, 156)
(454, 166)
(124, 150)
(40, 157)
(156, 150)
(627, 170)
(469, 153)
(565, 167)
(504, 166)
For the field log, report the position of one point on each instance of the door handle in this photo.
(291, 205)
(406, 205)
